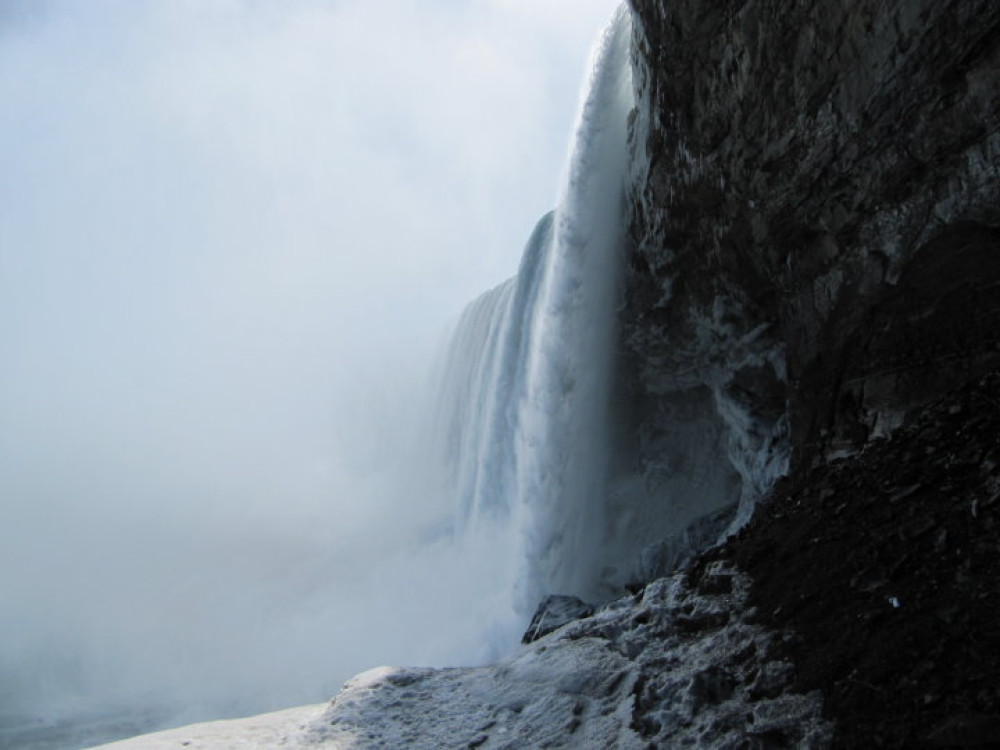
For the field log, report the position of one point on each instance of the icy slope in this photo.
(672, 665)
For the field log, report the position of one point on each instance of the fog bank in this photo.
(232, 234)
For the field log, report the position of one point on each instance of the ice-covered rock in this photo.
(554, 612)
(674, 665)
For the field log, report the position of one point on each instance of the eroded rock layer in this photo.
(818, 224)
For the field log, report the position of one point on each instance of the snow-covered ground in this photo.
(277, 729)
(674, 665)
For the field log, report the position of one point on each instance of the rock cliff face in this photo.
(884, 566)
(817, 235)
(815, 263)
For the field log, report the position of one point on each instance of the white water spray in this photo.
(527, 387)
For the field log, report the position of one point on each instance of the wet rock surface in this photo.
(886, 567)
(554, 612)
(814, 216)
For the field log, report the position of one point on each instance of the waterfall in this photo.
(525, 388)
(216, 449)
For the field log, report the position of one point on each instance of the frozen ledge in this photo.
(671, 665)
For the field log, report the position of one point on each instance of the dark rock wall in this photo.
(885, 566)
(814, 214)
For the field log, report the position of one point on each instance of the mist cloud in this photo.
(232, 234)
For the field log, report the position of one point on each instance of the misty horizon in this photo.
(233, 237)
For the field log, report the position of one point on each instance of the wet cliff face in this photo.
(815, 216)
